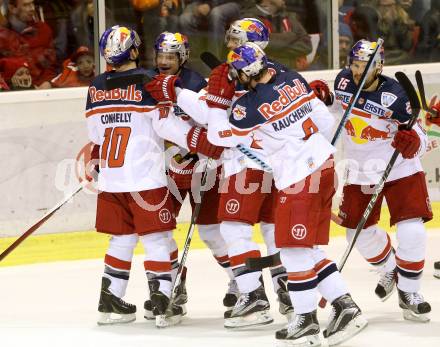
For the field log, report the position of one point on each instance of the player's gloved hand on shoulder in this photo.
(322, 91)
(91, 166)
(221, 89)
(162, 88)
(435, 106)
(407, 142)
(197, 140)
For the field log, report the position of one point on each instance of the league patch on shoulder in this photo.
(239, 112)
(387, 99)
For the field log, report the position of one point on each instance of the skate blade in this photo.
(162, 321)
(253, 319)
(352, 329)
(148, 315)
(109, 319)
(415, 317)
(386, 297)
(437, 274)
(305, 341)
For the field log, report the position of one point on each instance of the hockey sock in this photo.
(238, 238)
(410, 254)
(157, 262)
(118, 262)
(268, 232)
(302, 278)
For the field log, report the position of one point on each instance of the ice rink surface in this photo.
(55, 304)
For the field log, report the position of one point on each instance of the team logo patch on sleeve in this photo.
(239, 112)
(387, 99)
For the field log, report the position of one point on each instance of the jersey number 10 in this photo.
(117, 140)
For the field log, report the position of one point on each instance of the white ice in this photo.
(55, 304)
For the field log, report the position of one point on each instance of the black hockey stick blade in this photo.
(124, 81)
(210, 60)
(256, 264)
(412, 95)
(421, 86)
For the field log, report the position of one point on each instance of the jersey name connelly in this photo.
(129, 94)
(116, 118)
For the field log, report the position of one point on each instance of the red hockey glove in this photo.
(91, 166)
(407, 142)
(220, 89)
(432, 119)
(197, 140)
(181, 171)
(162, 88)
(322, 91)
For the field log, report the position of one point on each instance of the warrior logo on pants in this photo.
(232, 206)
(165, 216)
(299, 231)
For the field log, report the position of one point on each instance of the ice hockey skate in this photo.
(113, 310)
(302, 330)
(414, 307)
(251, 309)
(230, 298)
(387, 284)
(346, 320)
(165, 314)
(437, 269)
(285, 304)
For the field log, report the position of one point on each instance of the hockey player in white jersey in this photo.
(375, 127)
(126, 126)
(281, 114)
(172, 52)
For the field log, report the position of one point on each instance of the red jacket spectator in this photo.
(27, 37)
(78, 71)
(16, 73)
(3, 85)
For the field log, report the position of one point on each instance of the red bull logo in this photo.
(372, 134)
(253, 28)
(350, 128)
(233, 57)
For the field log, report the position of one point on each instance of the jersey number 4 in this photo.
(114, 146)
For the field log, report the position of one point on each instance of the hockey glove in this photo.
(322, 91)
(435, 106)
(181, 170)
(91, 166)
(162, 88)
(407, 142)
(197, 140)
(221, 89)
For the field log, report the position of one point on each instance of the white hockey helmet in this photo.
(249, 58)
(116, 42)
(248, 30)
(173, 43)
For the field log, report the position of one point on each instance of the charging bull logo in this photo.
(361, 132)
(253, 28)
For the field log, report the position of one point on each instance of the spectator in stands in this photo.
(27, 37)
(78, 71)
(16, 73)
(81, 21)
(3, 10)
(395, 27)
(289, 42)
(345, 44)
(363, 23)
(429, 47)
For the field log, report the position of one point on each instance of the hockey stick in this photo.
(41, 221)
(415, 106)
(210, 60)
(353, 101)
(111, 82)
(161, 321)
(420, 85)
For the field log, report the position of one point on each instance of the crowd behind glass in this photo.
(50, 43)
